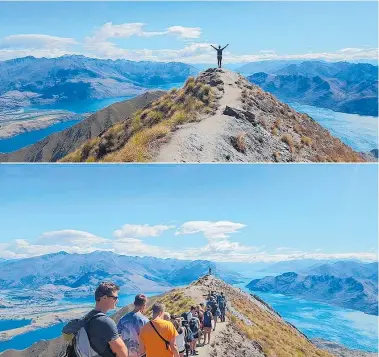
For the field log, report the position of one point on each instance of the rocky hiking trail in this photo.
(204, 138)
(251, 125)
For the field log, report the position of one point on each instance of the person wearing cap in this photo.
(130, 325)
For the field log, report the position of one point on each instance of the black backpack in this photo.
(193, 325)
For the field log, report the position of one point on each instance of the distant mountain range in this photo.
(341, 86)
(68, 78)
(348, 284)
(79, 274)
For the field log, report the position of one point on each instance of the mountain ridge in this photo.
(341, 86)
(346, 284)
(217, 117)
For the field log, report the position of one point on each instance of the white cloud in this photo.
(37, 45)
(126, 30)
(36, 41)
(70, 237)
(184, 32)
(133, 230)
(211, 230)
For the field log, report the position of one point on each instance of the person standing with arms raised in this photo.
(219, 54)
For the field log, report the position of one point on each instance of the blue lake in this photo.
(82, 106)
(19, 141)
(11, 324)
(21, 342)
(353, 329)
(358, 131)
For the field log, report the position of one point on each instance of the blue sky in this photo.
(222, 212)
(183, 30)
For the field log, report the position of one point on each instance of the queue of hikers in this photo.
(135, 335)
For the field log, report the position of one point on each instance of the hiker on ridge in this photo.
(130, 325)
(158, 337)
(219, 54)
(208, 317)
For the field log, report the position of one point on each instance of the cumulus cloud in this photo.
(134, 230)
(211, 230)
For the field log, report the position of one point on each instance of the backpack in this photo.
(188, 337)
(76, 332)
(207, 319)
(194, 327)
(222, 303)
(185, 315)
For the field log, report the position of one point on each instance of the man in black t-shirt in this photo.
(102, 330)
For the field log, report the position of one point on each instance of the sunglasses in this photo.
(115, 298)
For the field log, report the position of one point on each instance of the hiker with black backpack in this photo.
(96, 334)
(207, 325)
(222, 305)
(194, 325)
(158, 337)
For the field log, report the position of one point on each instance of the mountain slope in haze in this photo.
(252, 329)
(217, 117)
(349, 292)
(58, 145)
(268, 66)
(346, 269)
(69, 78)
(342, 87)
(79, 274)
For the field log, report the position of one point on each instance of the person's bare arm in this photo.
(118, 347)
(214, 47)
(174, 347)
(226, 46)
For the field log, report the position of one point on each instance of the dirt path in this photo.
(202, 141)
(197, 293)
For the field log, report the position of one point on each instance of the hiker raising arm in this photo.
(118, 347)
(214, 47)
(225, 47)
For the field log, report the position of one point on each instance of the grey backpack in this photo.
(76, 332)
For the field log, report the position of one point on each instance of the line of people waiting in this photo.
(134, 335)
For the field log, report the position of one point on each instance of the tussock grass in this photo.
(287, 138)
(277, 338)
(306, 140)
(175, 302)
(241, 142)
(133, 140)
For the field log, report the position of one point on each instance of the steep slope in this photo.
(58, 145)
(138, 136)
(349, 292)
(253, 328)
(217, 117)
(342, 87)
